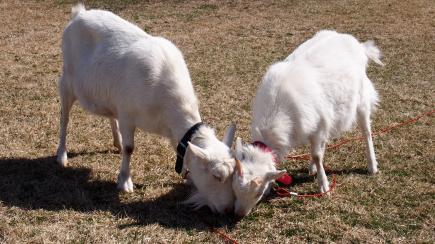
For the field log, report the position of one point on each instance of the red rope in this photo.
(407, 122)
(217, 231)
(282, 192)
(224, 236)
(306, 156)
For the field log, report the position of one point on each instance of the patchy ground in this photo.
(227, 46)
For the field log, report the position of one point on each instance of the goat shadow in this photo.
(303, 172)
(301, 176)
(42, 184)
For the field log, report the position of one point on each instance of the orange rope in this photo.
(282, 192)
(224, 236)
(306, 156)
(217, 231)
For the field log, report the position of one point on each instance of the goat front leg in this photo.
(317, 153)
(127, 134)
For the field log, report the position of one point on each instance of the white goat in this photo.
(116, 70)
(312, 96)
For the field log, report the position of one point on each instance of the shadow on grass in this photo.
(301, 176)
(42, 184)
(303, 172)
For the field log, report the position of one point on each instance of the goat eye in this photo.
(217, 178)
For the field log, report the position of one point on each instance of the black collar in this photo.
(182, 146)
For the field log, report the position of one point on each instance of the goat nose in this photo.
(240, 214)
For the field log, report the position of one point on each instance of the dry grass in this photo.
(228, 46)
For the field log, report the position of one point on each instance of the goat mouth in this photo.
(240, 214)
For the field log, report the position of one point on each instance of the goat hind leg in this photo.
(116, 134)
(364, 124)
(66, 101)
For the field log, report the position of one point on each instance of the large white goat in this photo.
(310, 97)
(116, 70)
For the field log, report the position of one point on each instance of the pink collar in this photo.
(265, 148)
(286, 179)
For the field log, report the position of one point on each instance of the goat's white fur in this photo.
(116, 70)
(316, 93)
(252, 177)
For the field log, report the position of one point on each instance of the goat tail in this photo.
(372, 51)
(77, 9)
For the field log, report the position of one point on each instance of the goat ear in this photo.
(229, 135)
(198, 152)
(238, 149)
(256, 182)
(274, 175)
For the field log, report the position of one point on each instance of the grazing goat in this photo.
(313, 95)
(116, 70)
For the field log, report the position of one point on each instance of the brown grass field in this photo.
(227, 46)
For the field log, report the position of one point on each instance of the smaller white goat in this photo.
(116, 70)
(312, 96)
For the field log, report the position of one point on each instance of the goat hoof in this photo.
(125, 185)
(373, 170)
(312, 169)
(118, 147)
(324, 189)
(62, 159)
